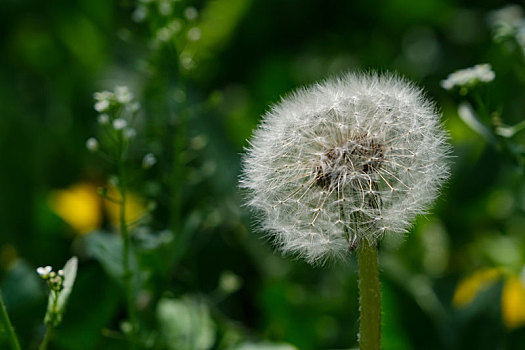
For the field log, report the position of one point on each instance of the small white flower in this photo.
(140, 14)
(130, 133)
(44, 271)
(194, 34)
(175, 26)
(103, 119)
(344, 160)
(191, 13)
(102, 106)
(133, 107)
(165, 8)
(123, 95)
(469, 77)
(229, 282)
(103, 95)
(92, 144)
(148, 161)
(164, 34)
(119, 124)
(506, 21)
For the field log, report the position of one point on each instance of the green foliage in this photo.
(195, 118)
(186, 324)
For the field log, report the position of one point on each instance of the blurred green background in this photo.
(204, 72)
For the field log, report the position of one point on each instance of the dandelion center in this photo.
(358, 156)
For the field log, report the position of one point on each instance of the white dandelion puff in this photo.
(344, 160)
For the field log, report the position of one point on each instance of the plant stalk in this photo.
(127, 273)
(369, 297)
(47, 337)
(11, 335)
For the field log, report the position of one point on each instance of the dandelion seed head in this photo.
(344, 160)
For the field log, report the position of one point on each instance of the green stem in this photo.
(370, 298)
(127, 273)
(47, 337)
(11, 335)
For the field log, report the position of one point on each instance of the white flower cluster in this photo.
(121, 96)
(344, 160)
(110, 105)
(469, 77)
(54, 279)
(508, 22)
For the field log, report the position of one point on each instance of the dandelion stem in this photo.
(11, 335)
(127, 273)
(370, 298)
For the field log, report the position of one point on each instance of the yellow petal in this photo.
(513, 303)
(469, 287)
(78, 205)
(135, 207)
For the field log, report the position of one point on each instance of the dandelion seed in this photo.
(344, 160)
(92, 144)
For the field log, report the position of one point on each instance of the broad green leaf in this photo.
(106, 248)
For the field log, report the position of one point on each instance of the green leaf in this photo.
(186, 324)
(106, 248)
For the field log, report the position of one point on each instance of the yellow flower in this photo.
(135, 207)
(79, 206)
(82, 208)
(513, 303)
(469, 287)
(512, 296)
